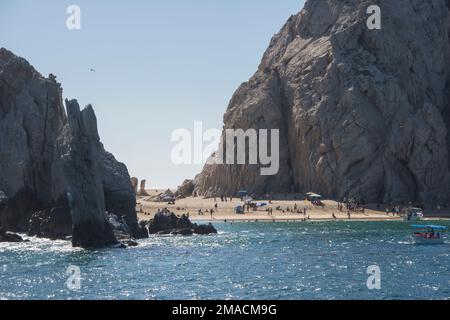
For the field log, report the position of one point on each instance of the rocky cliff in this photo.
(361, 112)
(53, 166)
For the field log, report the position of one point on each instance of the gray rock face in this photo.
(362, 113)
(165, 223)
(186, 189)
(51, 160)
(31, 118)
(142, 191)
(54, 223)
(134, 184)
(80, 151)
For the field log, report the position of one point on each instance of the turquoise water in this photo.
(244, 261)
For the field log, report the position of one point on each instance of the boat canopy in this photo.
(416, 226)
(313, 195)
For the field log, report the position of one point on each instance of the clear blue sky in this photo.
(160, 65)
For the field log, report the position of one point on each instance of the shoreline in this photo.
(283, 210)
(284, 220)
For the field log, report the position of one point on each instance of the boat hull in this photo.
(425, 241)
(412, 218)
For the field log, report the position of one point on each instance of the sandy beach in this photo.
(285, 212)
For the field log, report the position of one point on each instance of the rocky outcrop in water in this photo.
(10, 237)
(165, 223)
(362, 113)
(54, 167)
(80, 152)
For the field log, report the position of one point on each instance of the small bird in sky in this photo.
(92, 70)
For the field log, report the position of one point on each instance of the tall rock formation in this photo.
(361, 112)
(53, 165)
(31, 119)
(82, 162)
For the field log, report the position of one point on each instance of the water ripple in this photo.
(244, 261)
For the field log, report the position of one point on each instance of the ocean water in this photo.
(244, 261)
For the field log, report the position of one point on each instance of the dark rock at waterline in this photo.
(162, 222)
(169, 223)
(143, 229)
(205, 229)
(10, 237)
(131, 243)
(16, 211)
(184, 223)
(54, 223)
(121, 233)
(183, 232)
(93, 234)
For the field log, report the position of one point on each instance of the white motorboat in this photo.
(429, 234)
(413, 214)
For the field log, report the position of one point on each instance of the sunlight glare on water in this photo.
(244, 261)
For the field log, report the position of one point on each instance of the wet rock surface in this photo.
(10, 237)
(55, 223)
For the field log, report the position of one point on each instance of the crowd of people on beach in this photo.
(351, 205)
(347, 206)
